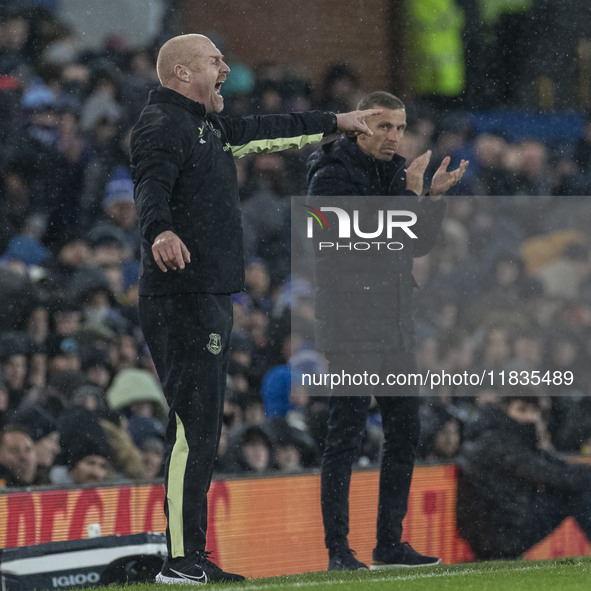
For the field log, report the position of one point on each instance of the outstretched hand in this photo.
(170, 251)
(354, 121)
(443, 180)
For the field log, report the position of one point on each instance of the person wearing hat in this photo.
(85, 454)
(71, 254)
(120, 214)
(63, 353)
(137, 393)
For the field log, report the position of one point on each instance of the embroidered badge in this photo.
(215, 343)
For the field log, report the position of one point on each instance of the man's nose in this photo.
(225, 69)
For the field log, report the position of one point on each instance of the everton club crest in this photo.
(215, 343)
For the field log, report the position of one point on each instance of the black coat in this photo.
(364, 300)
(503, 472)
(185, 181)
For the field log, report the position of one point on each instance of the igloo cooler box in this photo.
(83, 563)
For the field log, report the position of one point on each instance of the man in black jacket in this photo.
(511, 492)
(364, 317)
(186, 194)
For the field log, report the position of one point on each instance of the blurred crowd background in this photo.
(508, 286)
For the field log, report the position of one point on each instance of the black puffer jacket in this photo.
(185, 181)
(364, 299)
(503, 472)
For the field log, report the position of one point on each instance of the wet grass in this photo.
(565, 574)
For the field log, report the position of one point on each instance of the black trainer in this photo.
(344, 559)
(400, 556)
(194, 570)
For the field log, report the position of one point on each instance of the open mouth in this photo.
(218, 87)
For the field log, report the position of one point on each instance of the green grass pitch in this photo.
(565, 574)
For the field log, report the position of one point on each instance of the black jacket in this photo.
(185, 181)
(364, 300)
(503, 472)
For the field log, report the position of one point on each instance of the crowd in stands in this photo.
(508, 288)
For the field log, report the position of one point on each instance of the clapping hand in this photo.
(444, 180)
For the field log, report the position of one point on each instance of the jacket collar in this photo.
(167, 95)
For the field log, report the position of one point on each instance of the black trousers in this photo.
(399, 407)
(188, 336)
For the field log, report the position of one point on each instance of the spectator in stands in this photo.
(253, 409)
(18, 458)
(14, 359)
(120, 212)
(102, 100)
(65, 316)
(264, 208)
(17, 201)
(283, 392)
(287, 456)
(491, 177)
(86, 467)
(71, 254)
(152, 450)
(15, 28)
(97, 367)
(63, 354)
(511, 492)
(125, 456)
(294, 447)
(136, 393)
(440, 434)
(340, 89)
(85, 454)
(251, 451)
(45, 435)
(91, 397)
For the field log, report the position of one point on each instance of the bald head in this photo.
(194, 67)
(180, 51)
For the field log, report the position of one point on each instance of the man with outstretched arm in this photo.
(186, 194)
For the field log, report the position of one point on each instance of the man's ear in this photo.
(181, 72)
(361, 137)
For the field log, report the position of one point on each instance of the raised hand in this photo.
(354, 121)
(415, 172)
(444, 180)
